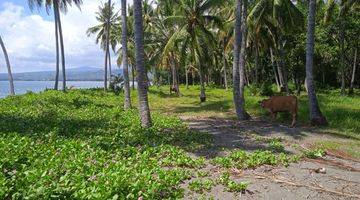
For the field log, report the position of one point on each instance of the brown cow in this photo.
(281, 104)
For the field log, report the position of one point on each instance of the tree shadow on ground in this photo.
(163, 94)
(231, 134)
(220, 106)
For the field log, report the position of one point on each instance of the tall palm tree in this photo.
(56, 86)
(316, 116)
(11, 81)
(108, 56)
(106, 33)
(140, 65)
(237, 48)
(127, 100)
(57, 5)
(243, 115)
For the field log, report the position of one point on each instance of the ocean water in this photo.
(22, 87)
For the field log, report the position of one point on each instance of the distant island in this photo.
(75, 74)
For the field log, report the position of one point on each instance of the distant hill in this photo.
(75, 74)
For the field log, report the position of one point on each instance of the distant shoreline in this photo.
(59, 80)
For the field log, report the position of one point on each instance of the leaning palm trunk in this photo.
(316, 116)
(11, 81)
(351, 88)
(140, 65)
(243, 115)
(56, 86)
(61, 47)
(127, 100)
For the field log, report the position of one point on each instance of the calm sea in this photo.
(21, 87)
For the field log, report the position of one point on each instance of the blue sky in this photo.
(30, 41)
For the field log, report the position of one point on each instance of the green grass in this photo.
(342, 112)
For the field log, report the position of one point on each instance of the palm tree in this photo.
(239, 59)
(345, 8)
(194, 24)
(127, 100)
(316, 116)
(11, 81)
(280, 17)
(57, 6)
(140, 65)
(236, 71)
(106, 34)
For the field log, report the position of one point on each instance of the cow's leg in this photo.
(273, 115)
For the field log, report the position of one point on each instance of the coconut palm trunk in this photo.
(316, 116)
(342, 55)
(257, 65)
(281, 67)
(110, 71)
(243, 115)
(127, 100)
(61, 46)
(225, 68)
(107, 49)
(11, 81)
(174, 73)
(274, 69)
(187, 77)
(133, 76)
(236, 70)
(106, 71)
(56, 86)
(351, 88)
(140, 65)
(202, 84)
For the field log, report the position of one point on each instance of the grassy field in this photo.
(82, 144)
(342, 112)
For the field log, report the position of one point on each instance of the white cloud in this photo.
(30, 39)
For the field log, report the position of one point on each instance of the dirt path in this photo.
(341, 179)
